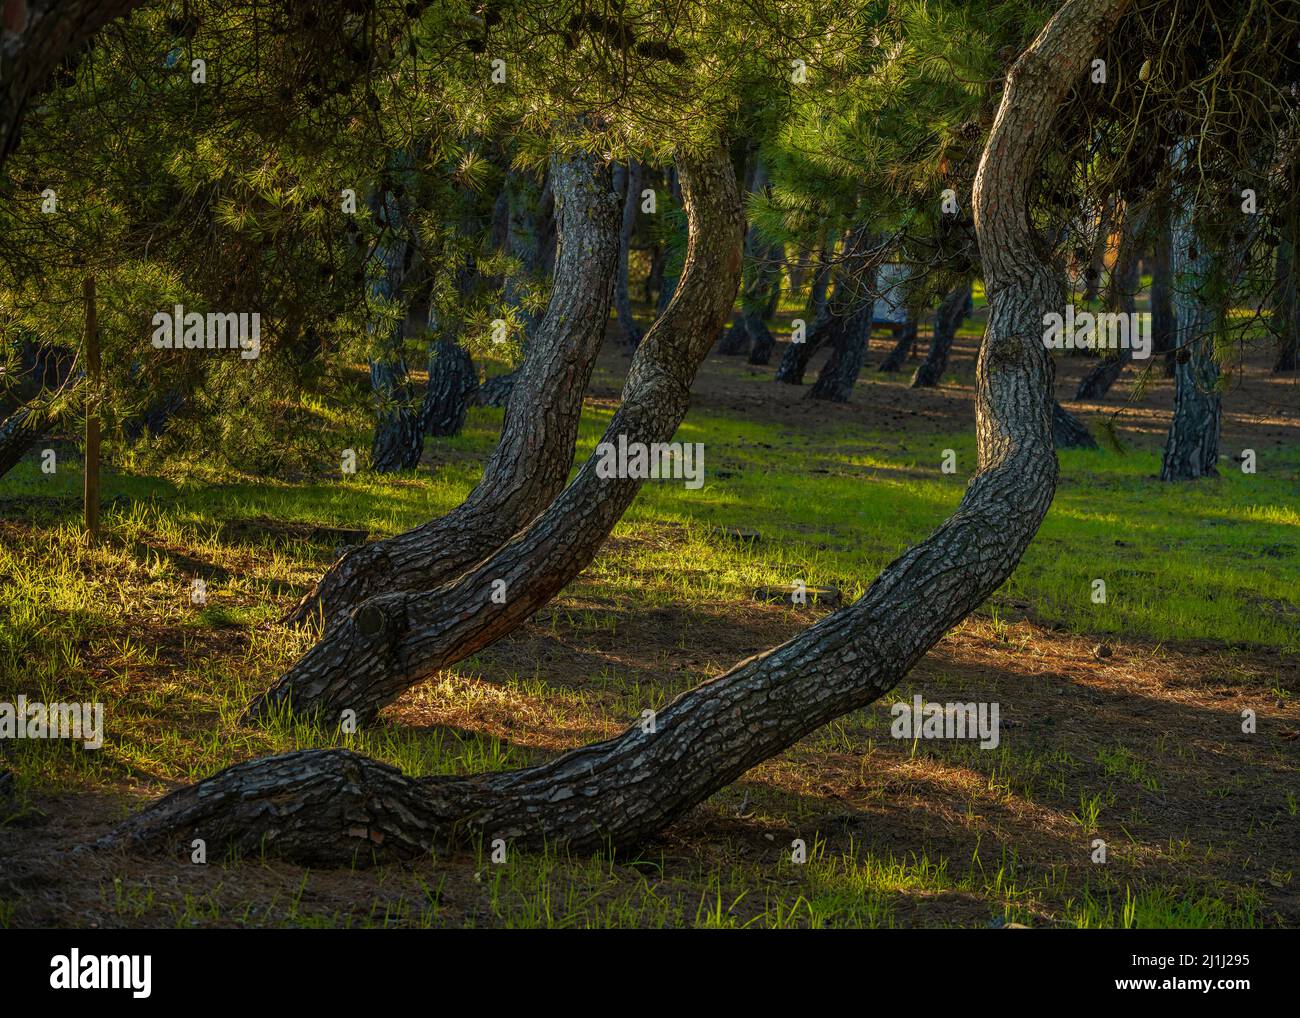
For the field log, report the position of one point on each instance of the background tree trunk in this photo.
(953, 310)
(902, 350)
(396, 639)
(1286, 310)
(627, 182)
(532, 459)
(1068, 431)
(332, 807)
(1124, 285)
(1163, 326)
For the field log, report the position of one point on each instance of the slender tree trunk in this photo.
(627, 182)
(396, 639)
(1286, 310)
(838, 313)
(532, 459)
(953, 310)
(334, 807)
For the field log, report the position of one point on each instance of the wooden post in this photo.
(92, 412)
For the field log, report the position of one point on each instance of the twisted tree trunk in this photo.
(396, 639)
(333, 807)
(953, 310)
(532, 459)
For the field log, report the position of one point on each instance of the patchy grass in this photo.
(1137, 743)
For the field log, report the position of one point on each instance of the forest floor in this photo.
(1120, 721)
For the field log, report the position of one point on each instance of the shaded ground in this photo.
(1122, 738)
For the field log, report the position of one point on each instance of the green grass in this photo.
(1218, 561)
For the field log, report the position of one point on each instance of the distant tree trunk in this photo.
(763, 302)
(1163, 326)
(1069, 432)
(837, 313)
(335, 807)
(953, 310)
(627, 182)
(1286, 309)
(839, 374)
(1124, 285)
(495, 391)
(452, 385)
(533, 457)
(1097, 253)
(1192, 445)
(396, 639)
(902, 350)
(398, 441)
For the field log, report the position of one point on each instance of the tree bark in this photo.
(532, 459)
(1192, 445)
(953, 310)
(333, 807)
(452, 384)
(396, 639)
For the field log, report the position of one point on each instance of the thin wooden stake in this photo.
(92, 412)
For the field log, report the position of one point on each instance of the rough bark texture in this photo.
(396, 639)
(532, 460)
(953, 310)
(627, 181)
(333, 807)
(452, 384)
(1192, 445)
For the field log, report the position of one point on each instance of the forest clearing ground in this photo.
(1119, 721)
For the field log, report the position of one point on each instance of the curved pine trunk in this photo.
(532, 459)
(334, 807)
(953, 310)
(394, 640)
